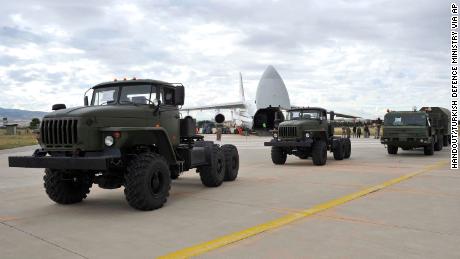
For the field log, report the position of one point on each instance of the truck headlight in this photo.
(275, 135)
(307, 135)
(108, 141)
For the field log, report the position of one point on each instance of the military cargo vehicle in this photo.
(428, 128)
(129, 133)
(440, 121)
(307, 133)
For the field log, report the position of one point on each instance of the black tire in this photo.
(392, 150)
(338, 149)
(232, 162)
(213, 175)
(429, 149)
(347, 148)
(65, 187)
(147, 181)
(319, 152)
(175, 173)
(278, 156)
(445, 140)
(439, 143)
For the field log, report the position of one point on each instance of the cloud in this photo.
(350, 56)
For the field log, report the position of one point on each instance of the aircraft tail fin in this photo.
(241, 88)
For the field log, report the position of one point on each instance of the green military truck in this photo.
(129, 133)
(307, 133)
(428, 128)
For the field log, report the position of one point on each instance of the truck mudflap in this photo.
(91, 160)
(280, 143)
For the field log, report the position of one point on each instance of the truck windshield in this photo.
(137, 94)
(128, 94)
(405, 120)
(105, 96)
(304, 115)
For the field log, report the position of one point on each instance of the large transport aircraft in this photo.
(260, 115)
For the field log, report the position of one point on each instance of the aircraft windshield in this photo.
(128, 94)
(304, 115)
(405, 120)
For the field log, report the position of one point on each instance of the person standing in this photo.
(219, 131)
(379, 125)
(366, 131)
(358, 132)
(348, 132)
(354, 130)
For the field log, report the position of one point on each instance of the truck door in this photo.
(169, 114)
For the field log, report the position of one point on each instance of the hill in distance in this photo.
(20, 115)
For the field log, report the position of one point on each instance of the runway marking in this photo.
(4, 219)
(289, 218)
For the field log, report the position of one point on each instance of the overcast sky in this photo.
(359, 57)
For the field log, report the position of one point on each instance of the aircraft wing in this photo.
(346, 116)
(341, 115)
(233, 105)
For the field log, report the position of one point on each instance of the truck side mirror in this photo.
(85, 100)
(58, 106)
(331, 115)
(179, 95)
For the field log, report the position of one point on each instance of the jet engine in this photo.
(219, 118)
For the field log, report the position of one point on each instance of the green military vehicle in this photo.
(128, 134)
(428, 128)
(307, 133)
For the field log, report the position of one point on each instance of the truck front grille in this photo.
(59, 132)
(287, 131)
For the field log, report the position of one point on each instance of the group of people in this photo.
(358, 131)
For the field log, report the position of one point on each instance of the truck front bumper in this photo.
(280, 143)
(415, 142)
(91, 161)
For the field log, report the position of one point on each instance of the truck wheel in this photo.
(429, 149)
(392, 150)
(147, 181)
(338, 149)
(319, 152)
(439, 143)
(174, 173)
(445, 140)
(278, 156)
(347, 148)
(213, 175)
(64, 188)
(232, 162)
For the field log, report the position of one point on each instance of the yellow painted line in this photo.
(252, 231)
(3, 219)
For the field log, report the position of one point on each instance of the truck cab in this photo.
(408, 130)
(128, 133)
(307, 132)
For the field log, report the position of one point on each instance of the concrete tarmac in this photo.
(416, 218)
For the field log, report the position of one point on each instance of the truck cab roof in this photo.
(307, 108)
(135, 81)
